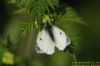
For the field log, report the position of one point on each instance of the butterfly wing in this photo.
(44, 43)
(61, 39)
(38, 50)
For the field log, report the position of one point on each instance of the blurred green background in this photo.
(86, 36)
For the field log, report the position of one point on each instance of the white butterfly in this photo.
(51, 37)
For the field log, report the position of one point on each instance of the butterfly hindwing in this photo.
(38, 50)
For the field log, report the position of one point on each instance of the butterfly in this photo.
(51, 37)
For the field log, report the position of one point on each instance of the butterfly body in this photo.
(49, 28)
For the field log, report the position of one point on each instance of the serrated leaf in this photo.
(26, 27)
(38, 7)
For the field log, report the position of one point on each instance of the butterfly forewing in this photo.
(44, 43)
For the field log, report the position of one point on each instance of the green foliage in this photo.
(26, 27)
(71, 16)
(38, 7)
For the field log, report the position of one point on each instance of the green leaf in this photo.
(71, 48)
(71, 16)
(26, 27)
